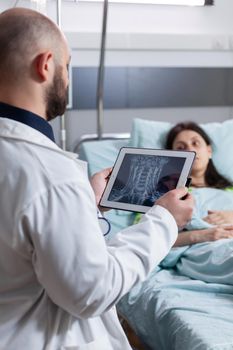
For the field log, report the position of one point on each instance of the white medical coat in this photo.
(58, 280)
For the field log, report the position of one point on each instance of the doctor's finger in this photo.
(179, 192)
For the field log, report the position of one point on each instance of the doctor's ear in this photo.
(44, 65)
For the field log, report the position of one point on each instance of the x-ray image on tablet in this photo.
(141, 176)
(143, 179)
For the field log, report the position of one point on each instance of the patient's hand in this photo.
(180, 204)
(98, 182)
(214, 233)
(207, 235)
(219, 217)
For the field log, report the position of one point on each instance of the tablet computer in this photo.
(140, 176)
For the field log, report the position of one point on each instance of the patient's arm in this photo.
(209, 234)
(219, 217)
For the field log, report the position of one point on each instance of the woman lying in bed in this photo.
(186, 303)
(212, 218)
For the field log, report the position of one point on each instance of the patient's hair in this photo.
(212, 176)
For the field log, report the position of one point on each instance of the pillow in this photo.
(100, 154)
(152, 134)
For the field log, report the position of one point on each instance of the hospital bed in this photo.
(171, 310)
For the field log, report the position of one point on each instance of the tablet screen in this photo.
(142, 179)
(141, 176)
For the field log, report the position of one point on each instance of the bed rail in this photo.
(95, 137)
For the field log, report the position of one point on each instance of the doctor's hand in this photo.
(98, 182)
(219, 217)
(179, 203)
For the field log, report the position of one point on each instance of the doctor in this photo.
(59, 281)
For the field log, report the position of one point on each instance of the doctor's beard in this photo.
(56, 96)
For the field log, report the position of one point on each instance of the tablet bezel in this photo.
(189, 158)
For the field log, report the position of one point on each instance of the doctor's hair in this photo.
(24, 34)
(212, 177)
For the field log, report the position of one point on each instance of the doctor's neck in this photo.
(22, 97)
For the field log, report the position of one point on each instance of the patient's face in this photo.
(189, 140)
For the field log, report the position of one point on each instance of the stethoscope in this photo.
(104, 224)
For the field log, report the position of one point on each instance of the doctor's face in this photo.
(57, 93)
(56, 96)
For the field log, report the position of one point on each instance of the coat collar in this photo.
(28, 118)
(14, 130)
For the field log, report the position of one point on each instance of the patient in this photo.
(212, 223)
(186, 302)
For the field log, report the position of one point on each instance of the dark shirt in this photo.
(28, 118)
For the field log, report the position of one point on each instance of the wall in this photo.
(145, 35)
